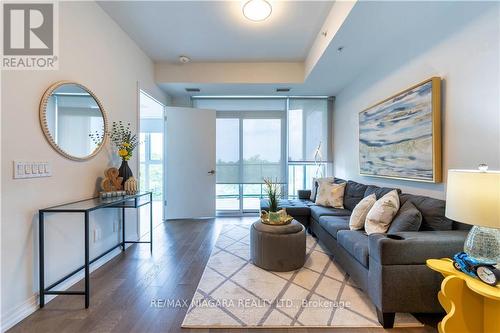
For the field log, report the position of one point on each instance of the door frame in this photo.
(140, 91)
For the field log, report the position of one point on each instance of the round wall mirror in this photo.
(73, 120)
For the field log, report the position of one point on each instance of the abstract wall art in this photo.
(400, 137)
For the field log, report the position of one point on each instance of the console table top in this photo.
(91, 204)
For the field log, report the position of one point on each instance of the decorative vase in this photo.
(130, 186)
(125, 171)
(280, 217)
(274, 217)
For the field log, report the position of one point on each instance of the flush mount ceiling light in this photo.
(257, 10)
(184, 59)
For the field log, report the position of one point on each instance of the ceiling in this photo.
(373, 34)
(218, 31)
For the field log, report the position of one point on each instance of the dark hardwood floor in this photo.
(122, 290)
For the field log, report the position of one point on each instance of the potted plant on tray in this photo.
(274, 216)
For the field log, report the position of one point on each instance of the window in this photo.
(308, 127)
(261, 149)
(251, 144)
(151, 146)
(262, 157)
(228, 164)
(300, 176)
(308, 141)
(249, 148)
(156, 146)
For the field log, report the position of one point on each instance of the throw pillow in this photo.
(408, 218)
(315, 185)
(358, 216)
(331, 195)
(382, 213)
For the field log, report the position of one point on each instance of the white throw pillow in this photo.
(382, 213)
(359, 213)
(315, 185)
(331, 195)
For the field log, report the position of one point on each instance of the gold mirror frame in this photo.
(45, 128)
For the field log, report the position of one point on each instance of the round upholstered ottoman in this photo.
(278, 248)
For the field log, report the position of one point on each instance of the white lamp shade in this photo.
(473, 197)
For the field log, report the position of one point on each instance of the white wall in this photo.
(94, 51)
(464, 51)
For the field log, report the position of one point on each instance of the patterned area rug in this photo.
(235, 293)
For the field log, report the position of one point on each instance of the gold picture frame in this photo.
(414, 111)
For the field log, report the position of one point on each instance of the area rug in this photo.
(235, 293)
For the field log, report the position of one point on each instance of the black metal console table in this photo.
(85, 207)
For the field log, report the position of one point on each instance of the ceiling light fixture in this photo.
(257, 10)
(184, 60)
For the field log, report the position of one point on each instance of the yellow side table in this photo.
(471, 305)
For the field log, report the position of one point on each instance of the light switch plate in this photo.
(31, 169)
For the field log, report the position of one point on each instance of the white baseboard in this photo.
(23, 310)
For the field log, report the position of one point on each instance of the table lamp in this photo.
(473, 197)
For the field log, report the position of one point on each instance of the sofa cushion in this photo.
(382, 213)
(304, 194)
(294, 207)
(432, 212)
(460, 226)
(356, 243)
(315, 186)
(318, 211)
(339, 180)
(354, 193)
(408, 218)
(332, 224)
(331, 195)
(359, 213)
(379, 191)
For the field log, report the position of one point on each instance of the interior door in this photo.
(190, 163)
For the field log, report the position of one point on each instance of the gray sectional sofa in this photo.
(390, 268)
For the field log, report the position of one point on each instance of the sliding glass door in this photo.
(284, 138)
(250, 147)
(262, 157)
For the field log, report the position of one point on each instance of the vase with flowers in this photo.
(125, 142)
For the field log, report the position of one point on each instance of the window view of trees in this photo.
(242, 167)
(251, 137)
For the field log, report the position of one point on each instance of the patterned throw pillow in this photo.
(315, 185)
(331, 195)
(380, 216)
(359, 213)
